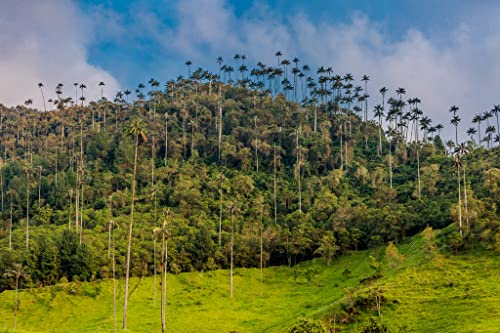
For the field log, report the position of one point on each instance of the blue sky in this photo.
(446, 52)
(395, 18)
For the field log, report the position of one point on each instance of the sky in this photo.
(446, 52)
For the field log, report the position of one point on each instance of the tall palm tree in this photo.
(102, 84)
(496, 111)
(138, 131)
(18, 273)
(188, 64)
(112, 226)
(40, 85)
(455, 120)
(27, 170)
(471, 132)
(477, 120)
(164, 264)
(458, 166)
(379, 113)
(465, 151)
(11, 193)
(39, 168)
(365, 79)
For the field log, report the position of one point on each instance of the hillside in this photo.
(448, 294)
(212, 175)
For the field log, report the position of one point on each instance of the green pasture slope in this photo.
(454, 293)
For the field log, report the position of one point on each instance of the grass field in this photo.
(452, 294)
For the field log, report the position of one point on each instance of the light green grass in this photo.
(197, 302)
(452, 294)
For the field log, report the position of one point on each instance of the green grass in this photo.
(449, 294)
(197, 302)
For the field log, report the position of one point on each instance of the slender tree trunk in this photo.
(465, 201)
(129, 247)
(166, 138)
(390, 163)
(256, 147)
(154, 270)
(219, 139)
(220, 216)
(418, 171)
(459, 202)
(380, 136)
(27, 210)
(274, 188)
(16, 301)
(232, 251)
(164, 284)
(81, 212)
(261, 253)
(341, 149)
(10, 225)
(114, 276)
(315, 117)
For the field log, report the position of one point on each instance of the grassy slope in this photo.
(456, 294)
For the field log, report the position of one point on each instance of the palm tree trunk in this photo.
(81, 212)
(166, 138)
(154, 270)
(232, 251)
(10, 225)
(27, 210)
(114, 276)
(219, 139)
(390, 163)
(129, 247)
(16, 301)
(459, 202)
(465, 202)
(418, 171)
(380, 136)
(261, 253)
(164, 284)
(315, 118)
(274, 188)
(341, 148)
(220, 216)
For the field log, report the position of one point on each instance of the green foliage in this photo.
(308, 326)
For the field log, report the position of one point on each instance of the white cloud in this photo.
(46, 41)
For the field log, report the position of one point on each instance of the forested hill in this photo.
(223, 168)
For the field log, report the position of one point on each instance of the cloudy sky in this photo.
(443, 51)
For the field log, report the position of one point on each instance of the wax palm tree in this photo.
(137, 131)
(379, 113)
(496, 111)
(365, 79)
(18, 272)
(458, 166)
(490, 130)
(27, 168)
(165, 235)
(464, 151)
(455, 120)
(220, 61)
(39, 168)
(471, 132)
(40, 85)
(10, 193)
(188, 64)
(112, 225)
(102, 84)
(278, 55)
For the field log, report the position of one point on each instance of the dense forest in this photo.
(248, 167)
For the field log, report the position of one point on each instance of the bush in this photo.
(308, 326)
